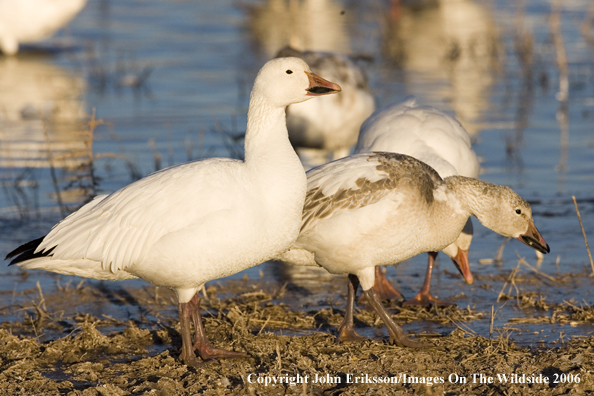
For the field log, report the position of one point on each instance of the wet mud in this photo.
(58, 348)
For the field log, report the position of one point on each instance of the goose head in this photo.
(284, 81)
(508, 214)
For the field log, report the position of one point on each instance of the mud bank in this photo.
(56, 349)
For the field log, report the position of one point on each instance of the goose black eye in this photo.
(289, 72)
(518, 211)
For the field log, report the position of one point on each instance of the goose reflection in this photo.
(41, 118)
(313, 25)
(448, 49)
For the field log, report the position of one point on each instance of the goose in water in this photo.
(383, 208)
(331, 123)
(29, 21)
(441, 142)
(188, 224)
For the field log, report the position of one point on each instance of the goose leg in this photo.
(424, 297)
(396, 333)
(187, 354)
(346, 332)
(383, 288)
(201, 344)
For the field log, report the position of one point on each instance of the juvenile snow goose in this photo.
(331, 123)
(440, 141)
(29, 21)
(382, 208)
(192, 223)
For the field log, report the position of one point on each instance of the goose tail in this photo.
(27, 252)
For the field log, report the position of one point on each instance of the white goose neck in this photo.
(266, 138)
(275, 168)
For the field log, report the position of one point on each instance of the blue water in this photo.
(194, 63)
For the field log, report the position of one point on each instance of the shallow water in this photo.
(171, 80)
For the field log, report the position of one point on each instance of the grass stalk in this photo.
(577, 211)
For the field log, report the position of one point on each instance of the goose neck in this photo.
(266, 137)
(471, 194)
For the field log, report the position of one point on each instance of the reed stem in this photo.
(584, 233)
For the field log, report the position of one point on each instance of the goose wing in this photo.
(118, 229)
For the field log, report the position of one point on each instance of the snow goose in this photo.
(195, 222)
(382, 208)
(29, 21)
(440, 141)
(331, 123)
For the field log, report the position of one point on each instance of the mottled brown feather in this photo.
(397, 169)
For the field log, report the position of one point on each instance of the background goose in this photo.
(440, 141)
(381, 208)
(199, 221)
(29, 21)
(331, 123)
(448, 49)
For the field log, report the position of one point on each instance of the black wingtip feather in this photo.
(27, 252)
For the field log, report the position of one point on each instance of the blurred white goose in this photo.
(448, 46)
(331, 123)
(440, 141)
(29, 21)
(382, 208)
(192, 223)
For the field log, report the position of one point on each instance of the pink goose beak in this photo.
(318, 86)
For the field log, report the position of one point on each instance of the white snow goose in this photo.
(331, 123)
(440, 141)
(382, 208)
(192, 223)
(29, 21)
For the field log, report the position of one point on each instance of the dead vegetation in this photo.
(59, 349)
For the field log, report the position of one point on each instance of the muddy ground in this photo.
(57, 348)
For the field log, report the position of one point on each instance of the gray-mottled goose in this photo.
(382, 208)
(439, 140)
